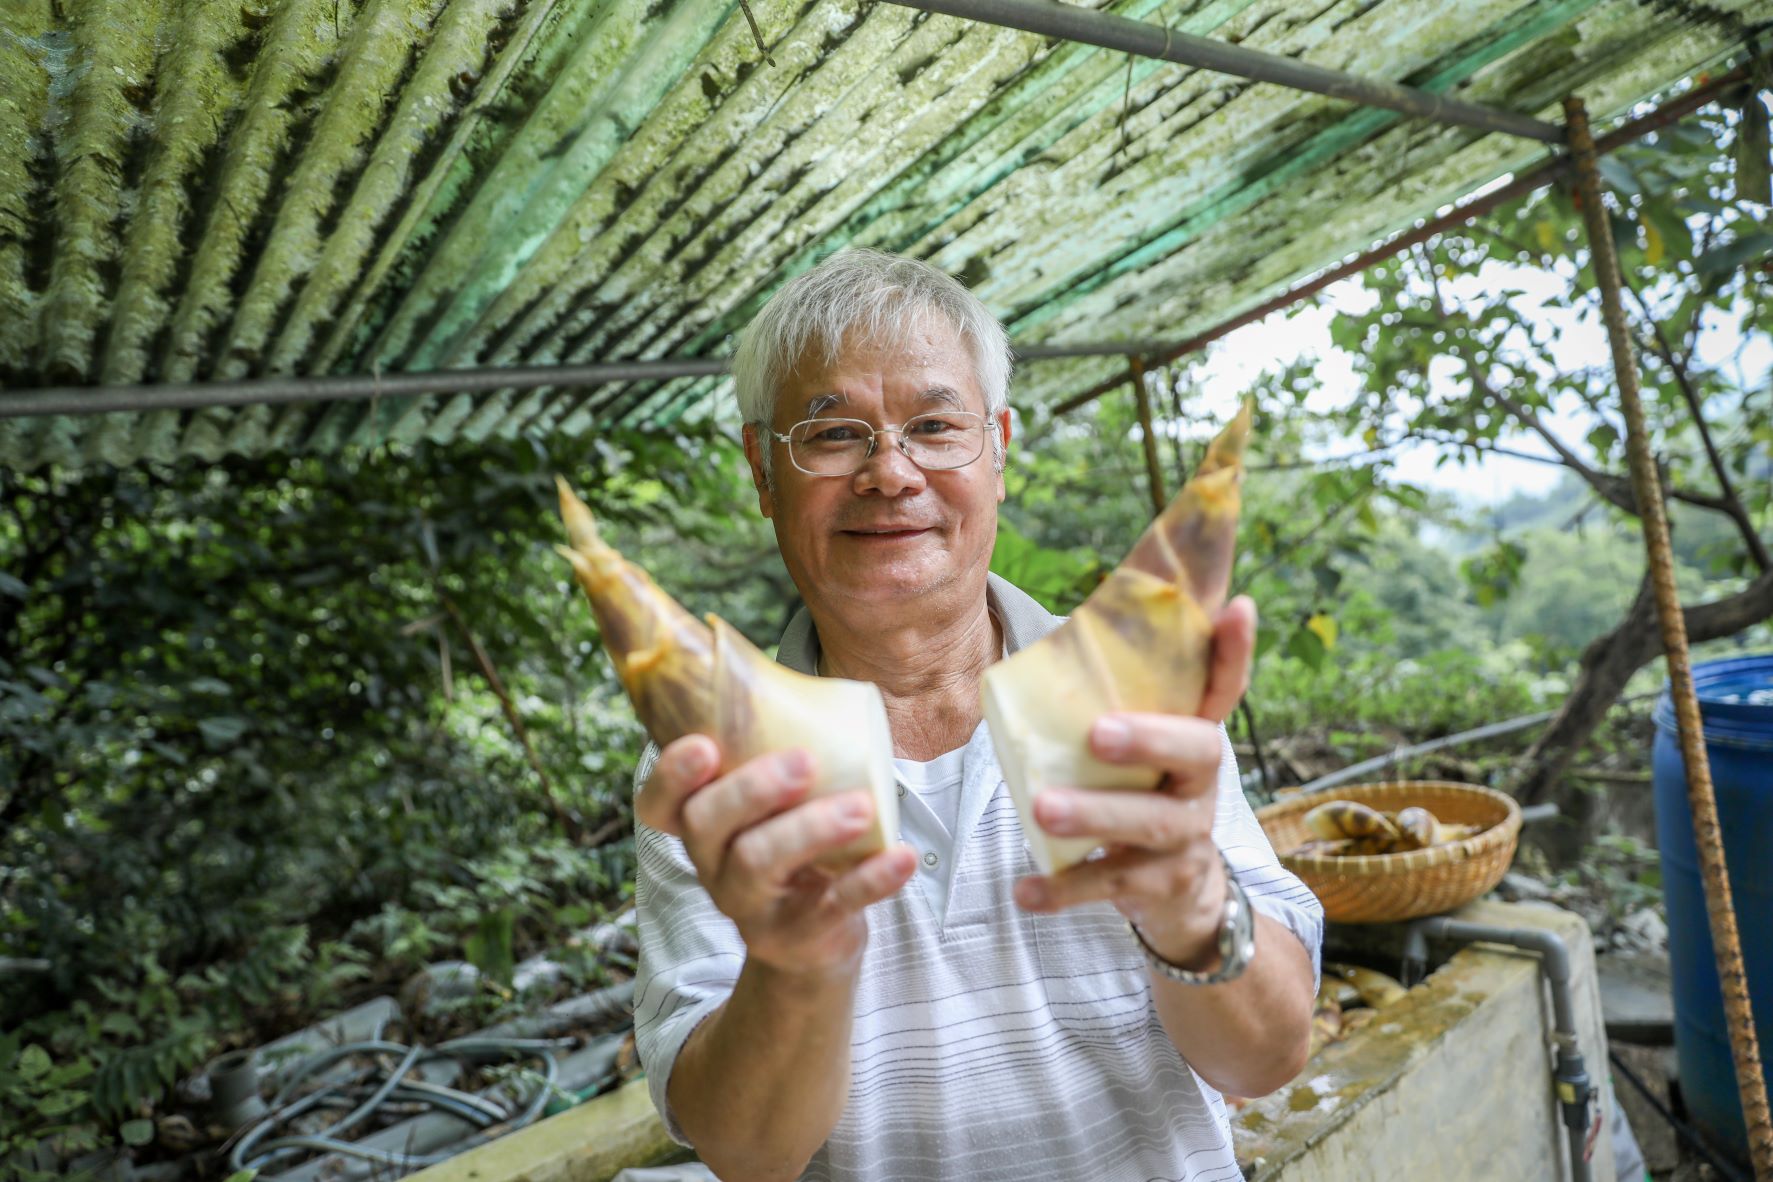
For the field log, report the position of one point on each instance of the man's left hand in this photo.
(1160, 867)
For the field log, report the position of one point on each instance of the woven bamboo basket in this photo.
(1385, 888)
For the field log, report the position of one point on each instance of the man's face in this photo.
(891, 530)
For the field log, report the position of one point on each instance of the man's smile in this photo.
(885, 533)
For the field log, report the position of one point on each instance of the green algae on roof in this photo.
(204, 190)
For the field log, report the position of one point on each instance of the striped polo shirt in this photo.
(988, 1043)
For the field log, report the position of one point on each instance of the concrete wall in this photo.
(1452, 1083)
(587, 1143)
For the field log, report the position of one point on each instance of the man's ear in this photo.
(754, 456)
(1003, 434)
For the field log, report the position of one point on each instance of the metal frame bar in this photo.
(92, 400)
(1554, 169)
(1049, 18)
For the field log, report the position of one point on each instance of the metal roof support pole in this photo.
(1049, 18)
(1647, 491)
(1154, 472)
(93, 400)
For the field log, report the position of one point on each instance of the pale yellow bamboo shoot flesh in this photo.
(1141, 642)
(685, 676)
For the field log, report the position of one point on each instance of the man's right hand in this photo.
(753, 836)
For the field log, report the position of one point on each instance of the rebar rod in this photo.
(1048, 18)
(1646, 487)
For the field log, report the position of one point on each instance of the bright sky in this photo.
(1236, 360)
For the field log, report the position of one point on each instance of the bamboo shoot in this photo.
(1141, 642)
(688, 676)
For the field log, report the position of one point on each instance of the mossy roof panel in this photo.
(195, 189)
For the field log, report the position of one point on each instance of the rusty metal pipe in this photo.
(1550, 171)
(92, 400)
(1109, 31)
(1154, 473)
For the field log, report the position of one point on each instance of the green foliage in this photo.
(41, 1099)
(1059, 579)
(1453, 350)
(250, 764)
(1624, 872)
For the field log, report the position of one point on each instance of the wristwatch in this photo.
(1236, 943)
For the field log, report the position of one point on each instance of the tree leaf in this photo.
(1324, 627)
(33, 1062)
(1723, 260)
(1307, 646)
(60, 1103)
(223, 730)
(1653, 244)
(119, 1023)
(137, 1132)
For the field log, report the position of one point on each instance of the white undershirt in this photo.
(929, 810)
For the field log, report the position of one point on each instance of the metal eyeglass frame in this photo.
(874, 434)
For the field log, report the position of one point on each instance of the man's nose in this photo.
(889, 470)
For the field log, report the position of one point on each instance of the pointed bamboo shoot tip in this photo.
(581, 527)
(1227, 447)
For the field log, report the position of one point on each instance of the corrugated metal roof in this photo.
(196, 189)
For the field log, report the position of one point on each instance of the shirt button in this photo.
(930, 858)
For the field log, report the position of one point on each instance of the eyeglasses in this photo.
(936, 442)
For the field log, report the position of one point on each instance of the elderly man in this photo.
(941, 1010)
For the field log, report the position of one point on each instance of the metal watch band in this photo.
(1236, 942)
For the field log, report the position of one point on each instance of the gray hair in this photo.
(881, 295)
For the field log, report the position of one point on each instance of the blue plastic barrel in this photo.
(1736, 706)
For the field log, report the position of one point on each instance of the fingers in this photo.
(1148, 820)
(765, 856)
(1186, 749)
(876, 878)
(1234, 643)
(757, 790)
(685, 765)
(1123, 875)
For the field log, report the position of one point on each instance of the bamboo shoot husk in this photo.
(1141, 642)
(687, 676)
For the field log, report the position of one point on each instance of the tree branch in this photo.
(1609, 662)
(1731, 504)
(1282, 552)
(491, 674)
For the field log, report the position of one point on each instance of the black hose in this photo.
(1686, 1131)
(249, 1153)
